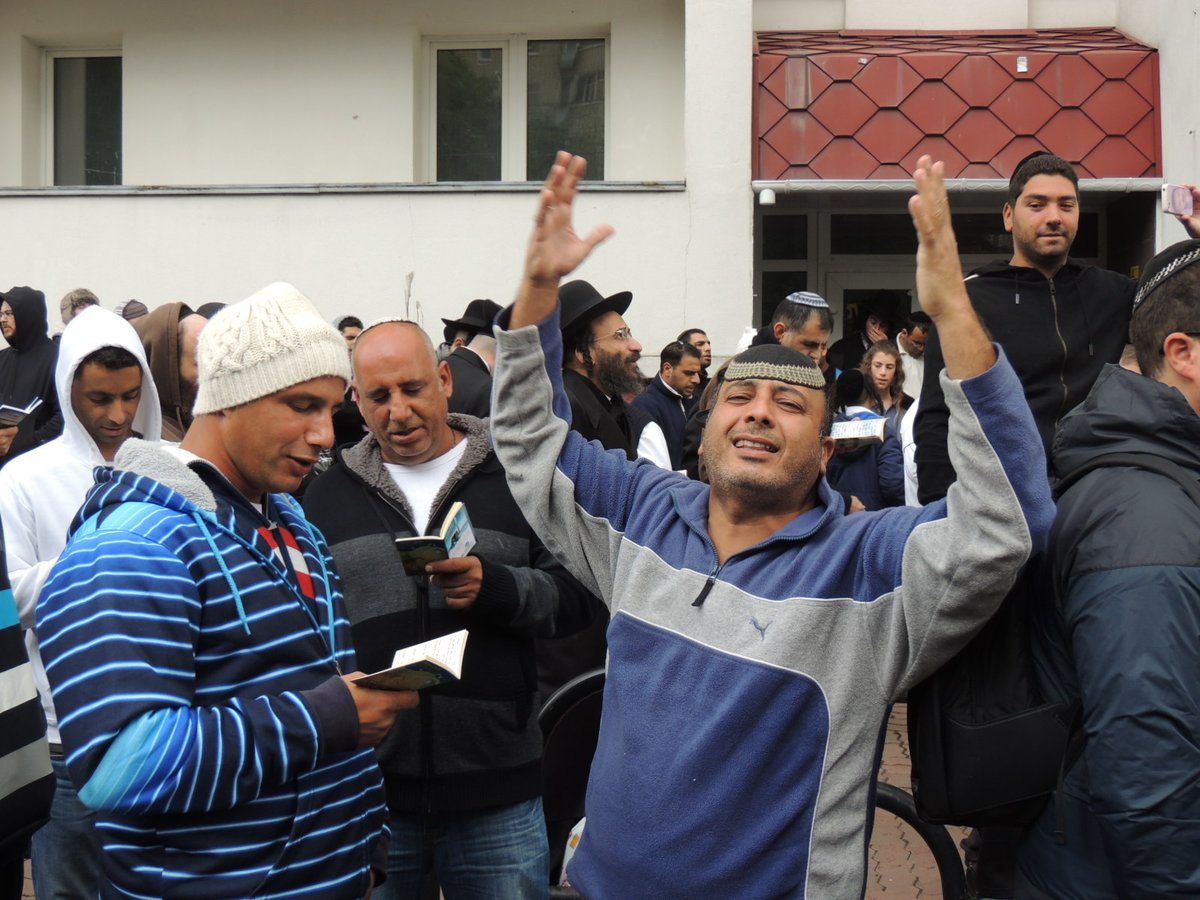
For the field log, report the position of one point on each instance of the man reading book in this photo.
(462, 772)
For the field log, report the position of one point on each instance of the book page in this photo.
(447, 650)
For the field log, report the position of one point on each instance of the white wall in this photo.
(303, 91)
(349, 253)
(330, 91)
(937, 15)
(1173, 26)
(934, 15)
(265, 91)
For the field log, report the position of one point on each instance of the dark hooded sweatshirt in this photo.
(159, 332)
(27, 371)
(1058, 334)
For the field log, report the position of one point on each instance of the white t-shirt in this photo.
(914, 373)
(908, 444)
(421, 482)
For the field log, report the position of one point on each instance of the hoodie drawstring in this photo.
(212, 545)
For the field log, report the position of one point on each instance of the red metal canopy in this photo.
(867, 104)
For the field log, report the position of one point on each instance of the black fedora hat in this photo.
(581, 303)
(478, 319)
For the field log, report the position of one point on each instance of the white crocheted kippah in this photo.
(772, 362)
(272, 340)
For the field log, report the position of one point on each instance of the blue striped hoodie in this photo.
(198, 691)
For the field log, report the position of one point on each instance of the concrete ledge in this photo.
(440, 187)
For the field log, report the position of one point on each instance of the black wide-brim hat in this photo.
(581, 303)
(478, 319)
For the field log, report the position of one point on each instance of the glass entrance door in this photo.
(854, 295)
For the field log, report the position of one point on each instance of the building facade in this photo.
(383, 156)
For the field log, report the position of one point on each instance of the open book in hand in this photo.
(456, 538)
(421, 665)
(12, 415)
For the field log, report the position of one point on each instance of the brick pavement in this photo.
(900, 866)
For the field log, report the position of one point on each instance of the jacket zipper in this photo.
(423, 615)
(1062, 371)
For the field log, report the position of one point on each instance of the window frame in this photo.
(513, 95)
(49, 55)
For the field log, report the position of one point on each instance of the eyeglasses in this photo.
(6, 314)
(624, 335)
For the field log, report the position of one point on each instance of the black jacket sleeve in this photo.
(935, 473)
(542, 599)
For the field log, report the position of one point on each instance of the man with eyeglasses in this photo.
(27, 371)
(600, 366)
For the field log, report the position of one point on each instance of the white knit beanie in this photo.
(270, 341)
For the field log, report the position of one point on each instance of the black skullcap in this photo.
(1169, 262)
(775, 362)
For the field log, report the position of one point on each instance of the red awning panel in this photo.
(867, 104)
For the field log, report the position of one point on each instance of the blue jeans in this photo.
(66, 850)
(493, 854)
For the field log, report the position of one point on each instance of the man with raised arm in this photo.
(758, 635)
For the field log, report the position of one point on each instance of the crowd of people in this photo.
(200, 510)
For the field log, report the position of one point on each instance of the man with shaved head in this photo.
(758, 635)
(462, 772)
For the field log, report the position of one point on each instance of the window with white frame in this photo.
(84, 117)
(500, 109)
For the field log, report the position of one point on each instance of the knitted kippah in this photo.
(807, 298)
(774, 362)
(1170, 262)
(270, 341)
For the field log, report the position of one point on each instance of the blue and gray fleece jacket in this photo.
(198, 690)
(741, 736)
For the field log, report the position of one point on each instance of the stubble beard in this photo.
(768, 490)
(1042, 258)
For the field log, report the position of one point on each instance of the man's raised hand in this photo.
(555, 249)
(939, 271)
(966, 349)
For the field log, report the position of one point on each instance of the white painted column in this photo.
(718, 91)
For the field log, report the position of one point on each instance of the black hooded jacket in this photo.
(1058, 334)
(27, 371)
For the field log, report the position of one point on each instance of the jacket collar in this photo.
(365, 460)
(692, 507)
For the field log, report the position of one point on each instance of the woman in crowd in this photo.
(883, 378)
(869, 471)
